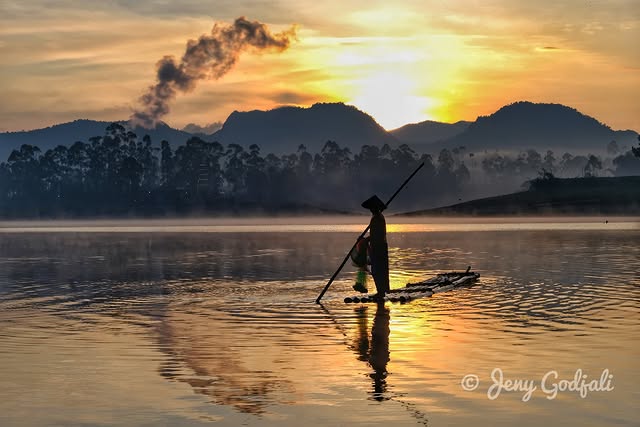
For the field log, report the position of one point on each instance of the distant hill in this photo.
(279, 131)
(283, 129)
(572, 196)
(428, 132)
(541, 126)
(80, 130)
(514, 127)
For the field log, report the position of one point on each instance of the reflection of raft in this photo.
(440, 283)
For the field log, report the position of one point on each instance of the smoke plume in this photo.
(209, 57)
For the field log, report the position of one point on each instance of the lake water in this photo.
(160, 323)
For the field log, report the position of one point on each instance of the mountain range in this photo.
(429, 132)
(81, 130)
(540, 126)
(514, 127)
(283, 129)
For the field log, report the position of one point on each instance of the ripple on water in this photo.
(234, 321)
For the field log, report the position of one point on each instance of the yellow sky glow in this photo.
(401, 63)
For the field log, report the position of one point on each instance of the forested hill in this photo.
(428, 132)
(120, 174)
(283, 129)
(80, 130)
(538, 126)
(574, 196)
(516, 127)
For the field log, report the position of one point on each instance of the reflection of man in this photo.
(378, 243)
(379, 355)
(376, 350)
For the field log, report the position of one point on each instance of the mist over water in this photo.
(112, 325)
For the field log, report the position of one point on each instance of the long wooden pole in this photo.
(346, 258)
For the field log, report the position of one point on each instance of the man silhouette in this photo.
(379, 252)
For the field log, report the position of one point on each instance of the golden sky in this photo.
(401, 62)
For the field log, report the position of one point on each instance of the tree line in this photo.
(119, 173)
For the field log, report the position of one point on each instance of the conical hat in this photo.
(374, 203)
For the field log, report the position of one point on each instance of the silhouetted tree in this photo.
(544, 180)
(56, 179)
(333, 159)
(146, 155)
(25, 171)
(594, 164)
(197, 169)
(534, 161)
(130, 175)
(257, 180)
(636, 150)
(235, 168)
(445, 163)
(119, 173)
(403, 157)
(167, 171)
(5, 176)
(287, 187)
(79, 163)
(304, 176)
(429, 167)
(305, 161)
(549, 162)
(627, 164)
(573, 166)
(495, 165)
(462, 174)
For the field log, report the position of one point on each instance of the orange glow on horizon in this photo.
(401, 63)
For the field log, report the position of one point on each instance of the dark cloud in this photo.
(273, 11)
(209, 57)
(289, 97)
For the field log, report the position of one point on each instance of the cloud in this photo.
(289, 97)
(95, 54)
(206, 130)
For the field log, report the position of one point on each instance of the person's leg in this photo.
(385, 269)
(379, 282)
(380, 272)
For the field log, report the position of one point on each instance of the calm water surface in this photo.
(162, 324)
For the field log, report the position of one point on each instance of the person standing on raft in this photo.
(379, 251)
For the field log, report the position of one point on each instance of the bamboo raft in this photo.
(440, 283)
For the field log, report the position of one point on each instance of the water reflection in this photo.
(379, 352)
(205, 352)
(228, 321)
(374, 351)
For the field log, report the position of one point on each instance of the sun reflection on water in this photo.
(222, 326)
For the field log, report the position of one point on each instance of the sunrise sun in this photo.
(392, 99)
